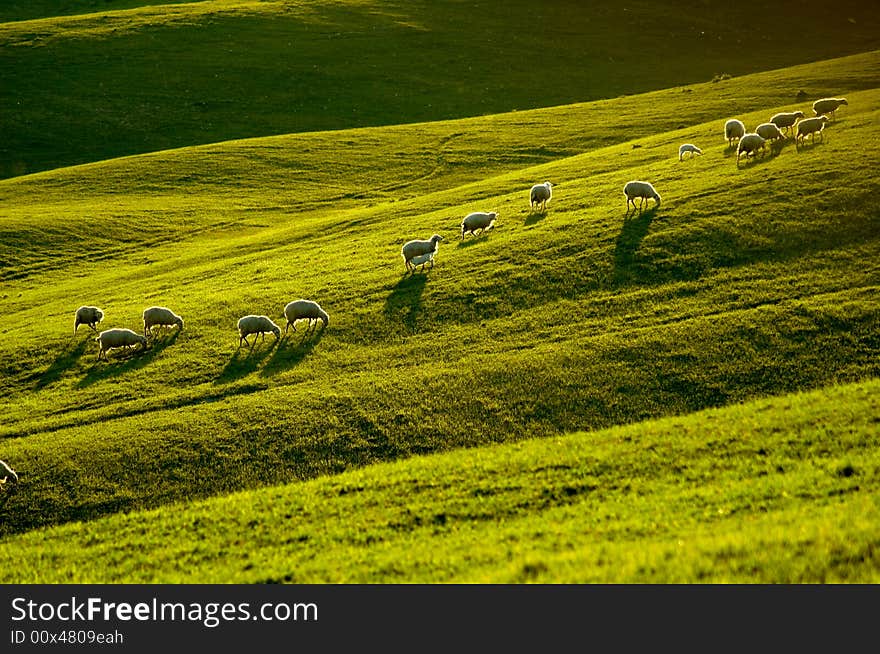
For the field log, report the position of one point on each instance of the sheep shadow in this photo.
(535, 216)
(291, 350)
(120, 361)
(806, 146)
(405, 300)
(634, 230)
(468, 242)
(64, 361)
(246, 360)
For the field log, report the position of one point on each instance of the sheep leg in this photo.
(242, 338)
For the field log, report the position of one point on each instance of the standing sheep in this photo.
(477, 220)
(827, 106)
(113, 338)
(259, 325)
(769, 131)
(160, 317)
(810, 127)
(688, 147)
(750, 144)
(90, 316)
(733, 130)
(304, 310)
(641, 190)
(422, 259)
(9, 473)
(540, 194)
(785, 120)
(416, 248)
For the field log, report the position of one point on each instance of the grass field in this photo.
(740, 320)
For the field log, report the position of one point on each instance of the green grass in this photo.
(87, 87)
(749, 281)
(779, 490)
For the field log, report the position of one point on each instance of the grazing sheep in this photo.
(113, 338)
(769, 132)
(642, 190)
(160, 317)
(734, 129)
(413, 249)
(90, 316)
(786, 119)
(422, 259)
(750, 144)
(477, 220)
(540, 194)
(688, 147)
(259, 325)
(827, 106)
(305, 310)
(810, 127)
(9, 473)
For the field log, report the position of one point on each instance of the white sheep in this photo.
(809, 127)
(417, 248)
(734, 129)
(422, 259)
(750, 144)
(259, 325)
(688, 147)
(540, 194)
(118, 337)
(160, 317)
(769, 131)
(642, 190)
(9, 473)
(478, 220)
(304, 310)
(90, 316)
(786, 119)
(827, 106)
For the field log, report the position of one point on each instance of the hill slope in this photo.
(750, 280)
(90, 87)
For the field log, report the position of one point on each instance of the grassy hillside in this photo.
(750, 280)
(87, 87)
(781, 490)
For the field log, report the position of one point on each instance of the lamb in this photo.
(769, 131)
(119, 337)
(540, 194)
(827, 106)
(811, 127)
(688, 147)
(9, 473)
(750, 144)
(642, 190)
(734, 129)
(259, 325)
(416, 248)
(90, 316)
(160, 317)
(785, 120)
(422, 259)
(305, 310)
(477, 220)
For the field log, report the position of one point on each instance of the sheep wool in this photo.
(540, 194)
(422, 259)
(809, 127)
(10, 474)
(412, 249)
(769, 132)
(305, 310)
(827, 106)
(478, 220)
(734, 130)
(688, 147)
(259, 325)
(90, 316)
(786, 119)
(160, 317)
(644, 191)
(118, 337)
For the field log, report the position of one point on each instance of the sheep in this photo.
(733, 130)
(160, 317)
(259, 325)
(477, 220)
(416, 248)
(305, 309)
(540, 194)
(769, 131)
(750, 144)
(118, 337)
(642, 190)
(786, 119)
(422, 259)
(9, 473)
(827, 106)
(688, 147)
(811, 127)
(90, 316)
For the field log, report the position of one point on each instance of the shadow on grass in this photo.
(535, 217)
(246, 360)
(635, 227)
(64, 361)
(120, 361)
(472, 240)
(807, 145)
(405, 300)
(292, 349)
